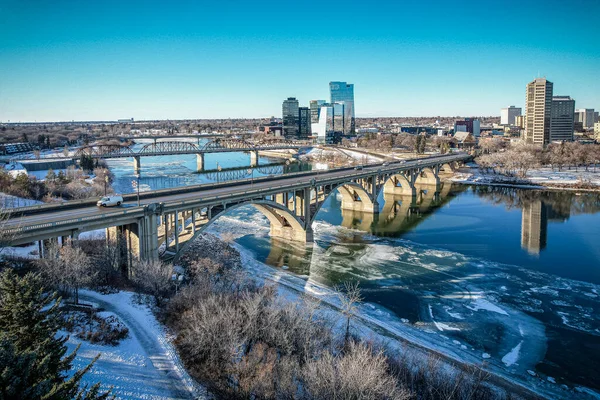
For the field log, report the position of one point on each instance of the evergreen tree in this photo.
(422, 144)
(33, 364)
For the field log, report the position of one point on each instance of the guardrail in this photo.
(259, 192)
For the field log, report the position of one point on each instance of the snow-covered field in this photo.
(143, 366)
(536, 177)
(8, 201)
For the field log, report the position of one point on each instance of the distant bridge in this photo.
(166, 148)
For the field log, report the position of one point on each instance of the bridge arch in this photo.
(283, 223)
(104, 150)
(168, 147)
(448, 168)
(220, 144)
(399, 184)
(427, 176)
(354, 197)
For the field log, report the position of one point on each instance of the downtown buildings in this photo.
(508, 116)
(562, 119)
(538, 109)
(327, 122)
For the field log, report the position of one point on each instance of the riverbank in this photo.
(542, 178)
(374, 323)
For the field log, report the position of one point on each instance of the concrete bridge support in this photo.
(137, 164)
(200, 162)
(253, 158)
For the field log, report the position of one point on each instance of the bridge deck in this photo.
(86, 216)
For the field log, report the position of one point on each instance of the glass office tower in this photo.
(291, 118)
(343, 93)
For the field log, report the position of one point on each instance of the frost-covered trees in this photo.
(33, 364)
(68, 268)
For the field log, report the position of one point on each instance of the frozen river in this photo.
(511, 276)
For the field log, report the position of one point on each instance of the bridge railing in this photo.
(157, 193)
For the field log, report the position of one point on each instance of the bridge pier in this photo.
(253, 158)
(137, 164)
(199, 162)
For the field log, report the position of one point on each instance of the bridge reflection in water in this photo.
(399, 215)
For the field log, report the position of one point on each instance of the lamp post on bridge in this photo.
(105, 183)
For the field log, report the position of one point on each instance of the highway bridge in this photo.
(168, 220)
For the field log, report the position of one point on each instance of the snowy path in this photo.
(145, 365)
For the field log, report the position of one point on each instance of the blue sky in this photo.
(104, 60)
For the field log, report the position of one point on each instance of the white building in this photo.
(323, 129)
(509, 115)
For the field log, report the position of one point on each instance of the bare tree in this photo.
(350, 297)
(67, 267)
(153, 277)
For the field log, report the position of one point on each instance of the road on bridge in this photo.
(306, 179)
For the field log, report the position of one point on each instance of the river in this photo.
(508, 274)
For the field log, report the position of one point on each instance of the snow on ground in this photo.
(30, 251)
(360, 157)
(9, 201)
(534, 178)
(143, 366)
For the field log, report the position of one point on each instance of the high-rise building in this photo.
(562, 121)
(342, 93)
(538, 110)
(597, 131)
(508, 115)
(304, 123)
(291, 118)
(315, 107)
(323, 129)
(586, 117)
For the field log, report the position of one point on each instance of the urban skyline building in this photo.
(471, 125)
(538, 110)
(304, 124)
(342, 93)
(562, 121)
(315, 107)
(290, 118)
(508, 115)
(586, 116)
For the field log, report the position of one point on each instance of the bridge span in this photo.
(168, 220)
(165, 148)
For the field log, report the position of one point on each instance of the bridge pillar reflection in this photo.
(137, 164)
(200, 162)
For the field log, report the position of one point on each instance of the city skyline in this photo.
(78, 61)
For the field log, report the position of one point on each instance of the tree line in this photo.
(519, 159)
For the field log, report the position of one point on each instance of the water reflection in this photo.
(538, 208)
(400, 213)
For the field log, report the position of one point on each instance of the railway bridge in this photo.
(169, 147)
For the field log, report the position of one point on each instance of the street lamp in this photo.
(105, 183)
(251, 172)
(218, 171)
